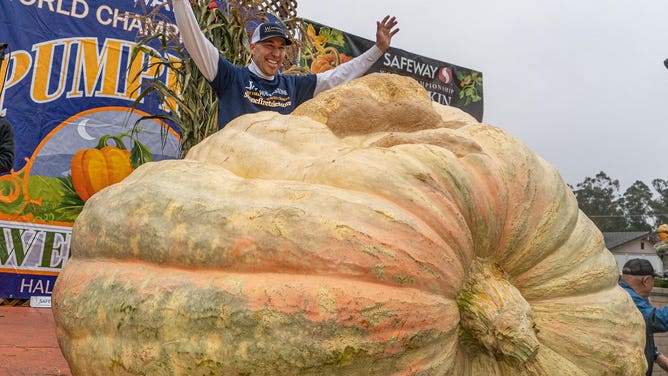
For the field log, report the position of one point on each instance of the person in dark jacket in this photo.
(638, 280)
(6, 146)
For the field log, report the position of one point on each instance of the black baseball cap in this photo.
(638, 266)
(268, 30)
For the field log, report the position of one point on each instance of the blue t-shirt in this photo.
(241, 92)
(656, 321)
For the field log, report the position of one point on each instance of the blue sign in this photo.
(69, 84)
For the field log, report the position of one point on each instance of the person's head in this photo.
(662, 231)
(639, 274)
(268, 45)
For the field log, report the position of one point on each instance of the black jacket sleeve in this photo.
(6, 146)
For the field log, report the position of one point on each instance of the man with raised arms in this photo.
(260, 86)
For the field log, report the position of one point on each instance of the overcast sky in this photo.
(582, 83)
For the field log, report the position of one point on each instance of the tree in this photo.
(659, 207)
(599, 199)
(637, 205)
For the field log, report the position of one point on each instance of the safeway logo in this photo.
(445, 75)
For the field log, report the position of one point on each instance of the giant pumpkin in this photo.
(372, 232)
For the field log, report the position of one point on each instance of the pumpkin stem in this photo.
(117, 140)
(494, 316)
(139, 154)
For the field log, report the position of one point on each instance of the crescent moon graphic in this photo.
(81, 129)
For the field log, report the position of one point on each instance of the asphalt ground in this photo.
(28, 344)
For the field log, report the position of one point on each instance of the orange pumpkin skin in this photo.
(94, 169)
(422, 242)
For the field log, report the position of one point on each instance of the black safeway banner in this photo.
(446, 83)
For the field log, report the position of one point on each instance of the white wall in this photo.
(639, 247)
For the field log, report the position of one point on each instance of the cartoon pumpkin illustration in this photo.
(96, 168)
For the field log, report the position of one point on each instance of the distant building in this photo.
(628, 245)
